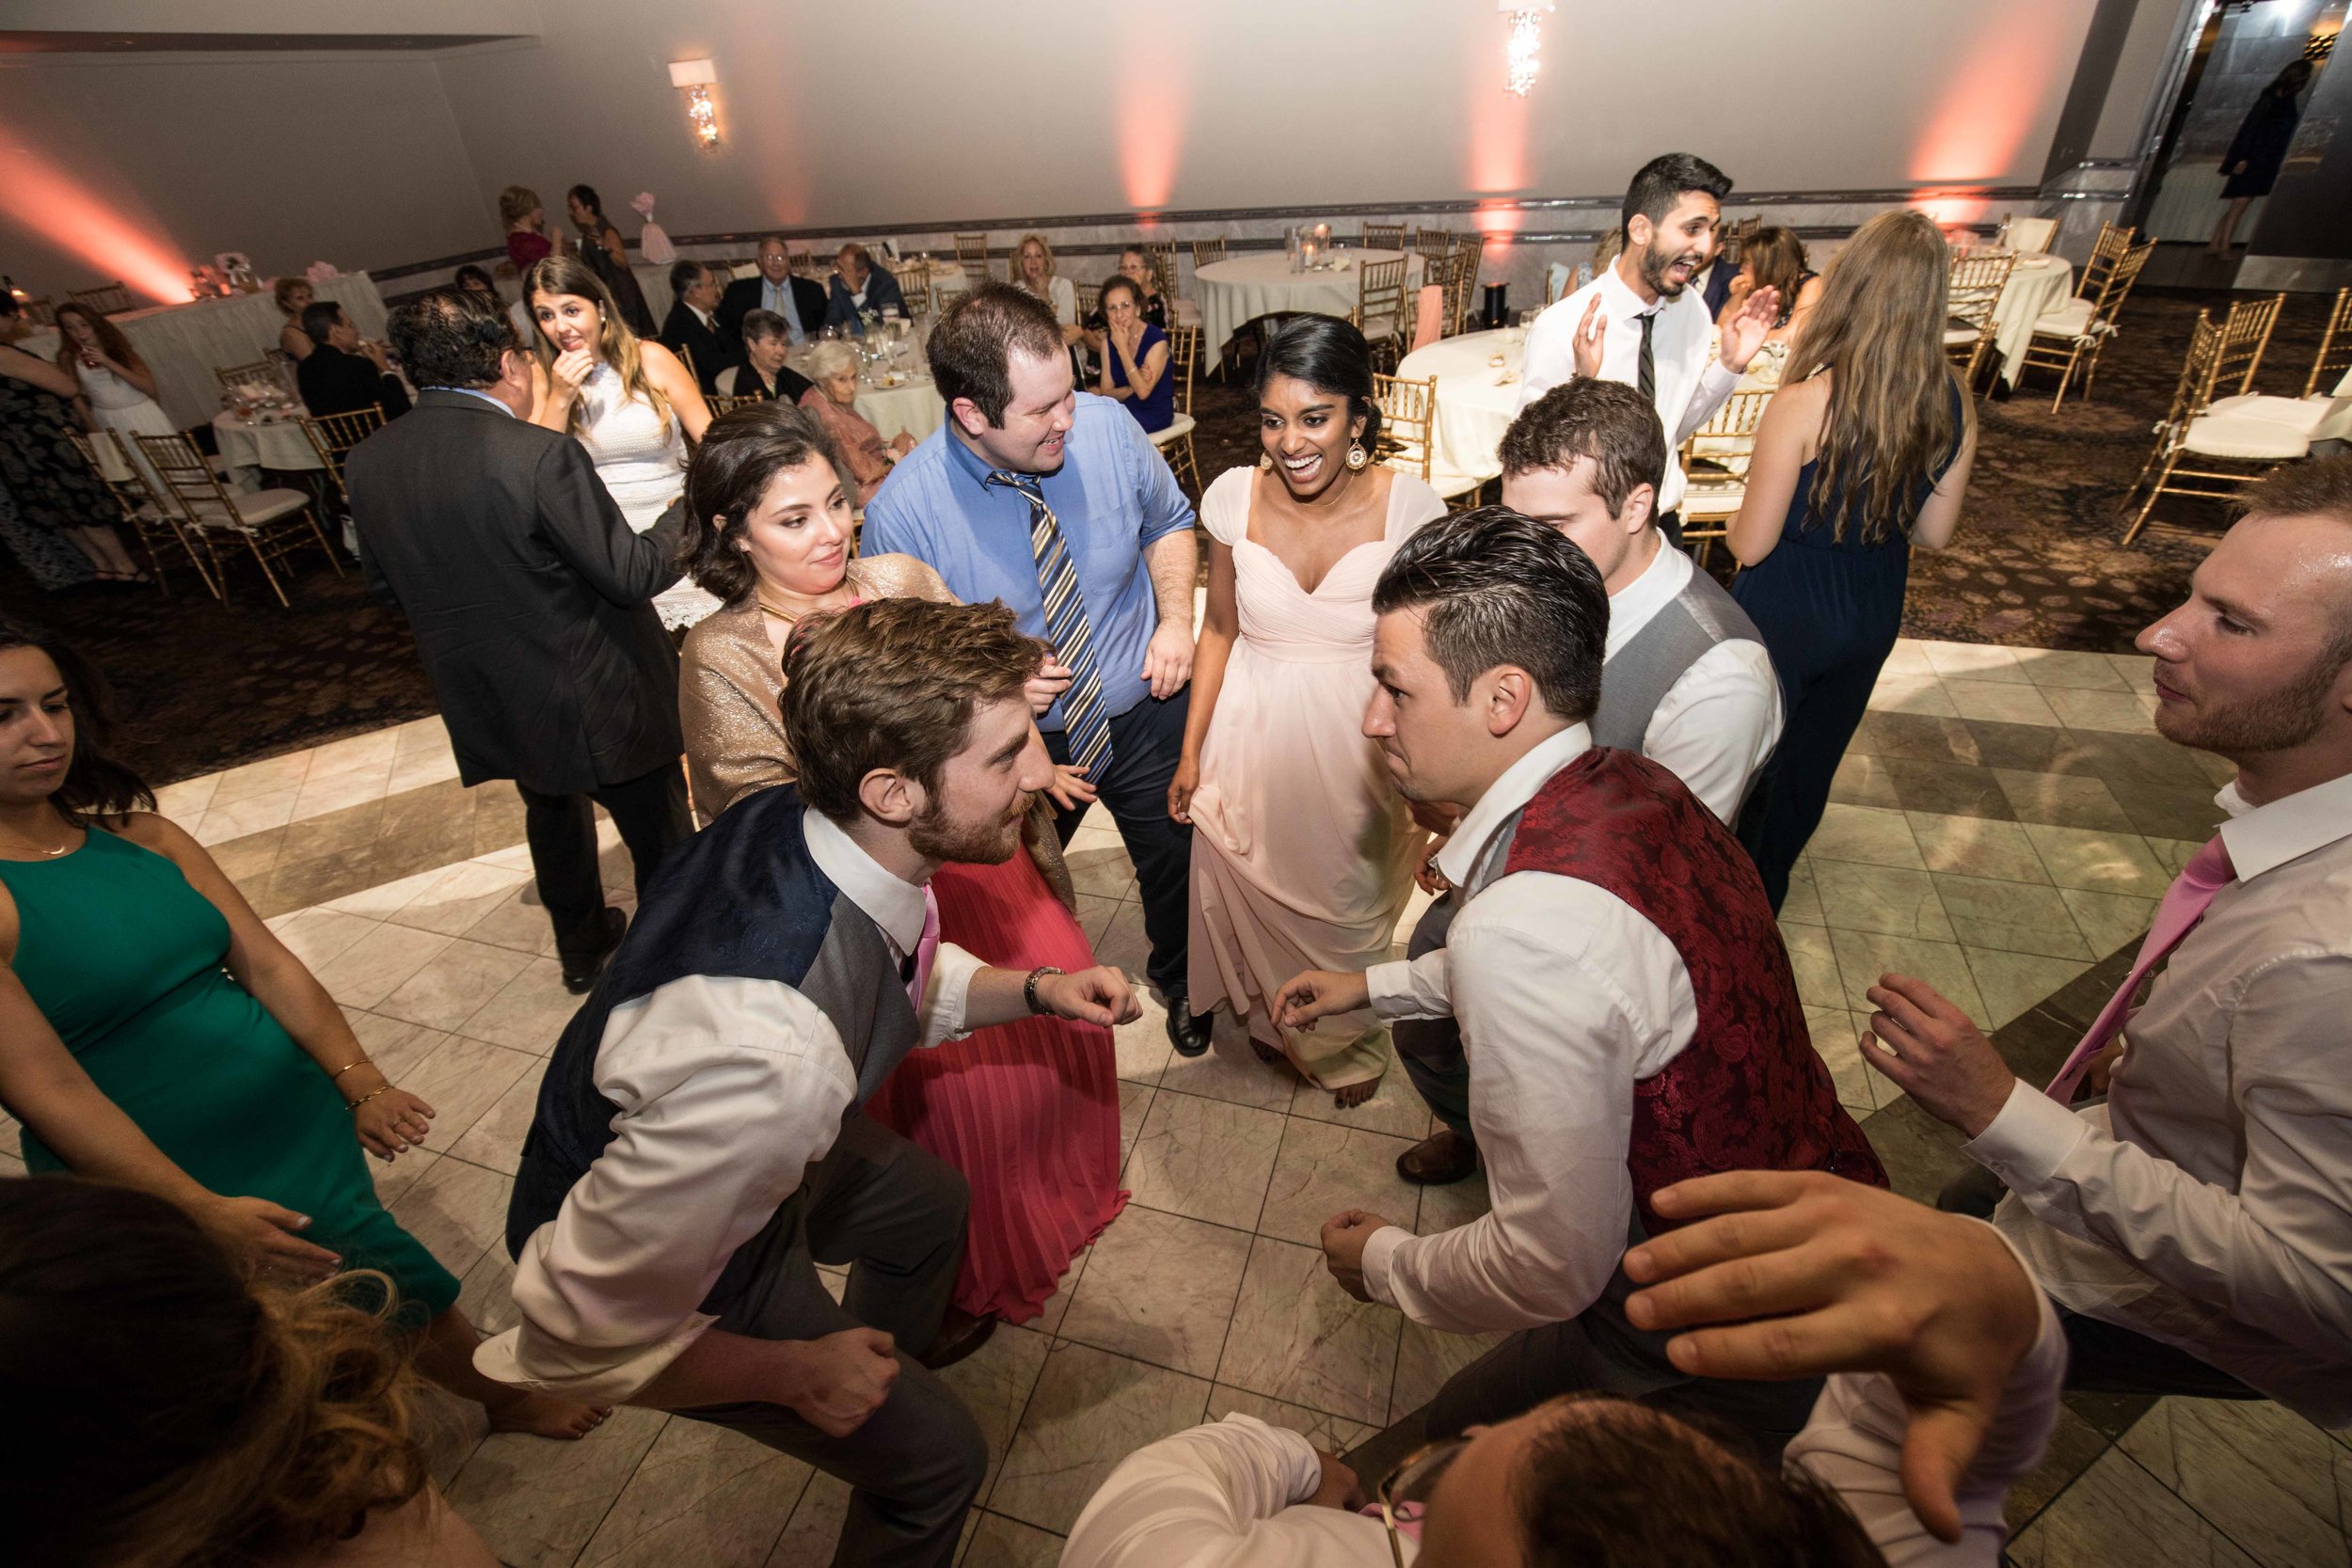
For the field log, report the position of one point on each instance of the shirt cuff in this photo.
(945, 999)
(527, 1358)
(1380, 1259)
(2029, 1140)
(1409, 987)
(1391, 985)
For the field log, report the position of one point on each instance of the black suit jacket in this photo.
(744, 294)
(333, 382)
(527, 594)
(711, 353)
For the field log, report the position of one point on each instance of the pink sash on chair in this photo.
(1428, 316)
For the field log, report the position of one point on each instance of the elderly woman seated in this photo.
(767, 340)
(833, 366)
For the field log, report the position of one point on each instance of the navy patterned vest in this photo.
(741, 898)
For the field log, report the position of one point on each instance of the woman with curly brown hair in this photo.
(162, 1414)
(154, 1033)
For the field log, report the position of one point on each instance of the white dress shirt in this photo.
(728, 1090)
(1566, 997)
(1232, 1493)
(1691, 382)
(2208, 1203)
(1718, 722)
(777, 298)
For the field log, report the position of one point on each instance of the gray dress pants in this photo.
(894, 1214)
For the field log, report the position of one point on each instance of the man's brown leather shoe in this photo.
(1445, 1156)
(959, 1333)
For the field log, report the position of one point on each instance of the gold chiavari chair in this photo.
(972, 256)
(1433, 244)
(333, 435)
(272, 524)
(1207, 253)
(1715, 469)
(685, 357)
(1175, 442)
(1456, 276)
(2192, 432)
(261, 372)
(1977, 282)
(2335, 350)
(722, 404)
(107, 299)
(802, 261)
(2244, 336)
(1739, 236)
(1163, 254)
(1384, 236)
(2329, 369)
(1089, 296)
(1408, 436)
(1380, 312)
(149, 521)
(2071, 336)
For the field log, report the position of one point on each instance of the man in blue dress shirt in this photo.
(1055, 503)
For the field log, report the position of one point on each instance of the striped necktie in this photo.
(1086, 725)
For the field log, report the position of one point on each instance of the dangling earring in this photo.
(1265, 461)
(1357, 457)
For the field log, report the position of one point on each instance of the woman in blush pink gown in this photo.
(1028, 1111)
(1302, 850)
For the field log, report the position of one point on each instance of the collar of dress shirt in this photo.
(893, 903)
(1632, 607)
(2262, 838)
(1619, 301)
(700, 314)
(977, 467)
(473, 392)
(1462, 853)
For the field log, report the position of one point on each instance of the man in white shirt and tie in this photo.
(2196, 1226)
(799, 301)
(1640, 323)
(697, 1144)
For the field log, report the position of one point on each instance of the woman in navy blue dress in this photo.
(2259, 147)
(1864, 451)
(1135, 356)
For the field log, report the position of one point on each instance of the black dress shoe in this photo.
(959, 1333)
(582, 968)
(1443, 1157)
(1187, 1031)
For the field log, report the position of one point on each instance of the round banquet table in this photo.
(248, 447)
(2036, 284)
(1476, 398)
(1244, 288)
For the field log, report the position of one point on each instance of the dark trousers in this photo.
(1146, 742)
(1825, 707)
(2103, 1358)
(1431, 1048)
(1599, 1351)
(650, 811)
(895, 1215)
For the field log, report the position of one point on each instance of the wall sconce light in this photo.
(698, 77)
(1520, 62)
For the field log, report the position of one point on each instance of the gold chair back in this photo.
(107, 299)
(261, 371)
(1715, 465)
(2107, 255)
(1089, 296)
(1434, 244)
(1381, 311)
(1384, 236)
(1184, 357)
(2335, 349)
(1207, 253)
(271, 525)
(2245, 334)
(800, 261)
(334, 435)
(686, 357)
(1460, 275)
(721, 404)
(149, 521)
(1409, 422)
(1977, 282)
(972, 255)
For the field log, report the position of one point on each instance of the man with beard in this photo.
(2196, 1228)
(697, 1148)
(1639, 324)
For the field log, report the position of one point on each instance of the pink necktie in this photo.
(925, 950)
(2208, 872)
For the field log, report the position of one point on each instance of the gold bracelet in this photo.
(370, 1095)
(347, 1066)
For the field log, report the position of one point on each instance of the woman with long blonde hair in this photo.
(632, 403)
(1864, 451)
(1033, 272)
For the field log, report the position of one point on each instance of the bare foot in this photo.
(1355, 1095)
(546, 1416)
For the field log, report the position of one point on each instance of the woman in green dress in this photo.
(153, 1033)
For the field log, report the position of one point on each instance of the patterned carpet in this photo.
(203, 686)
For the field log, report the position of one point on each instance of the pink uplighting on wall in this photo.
(1497, 127)
(45, 199)
(1995, 91)
(1154, 97)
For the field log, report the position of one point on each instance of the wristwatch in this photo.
(1028, 987)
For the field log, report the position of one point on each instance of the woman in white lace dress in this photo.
(118, 391)
(632, 403)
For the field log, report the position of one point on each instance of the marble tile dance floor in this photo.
(2003, 825)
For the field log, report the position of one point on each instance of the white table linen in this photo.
(184, 344)
(1477, 399)
(248, 447)
(2036, 284)
(1241, 289)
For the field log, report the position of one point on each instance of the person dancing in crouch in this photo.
(154, 1033)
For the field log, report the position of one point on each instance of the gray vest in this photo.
(1638, 675)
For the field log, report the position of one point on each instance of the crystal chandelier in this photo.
(696, 78)
(1521, 58)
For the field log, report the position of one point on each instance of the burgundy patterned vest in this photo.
(1749, 1092)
